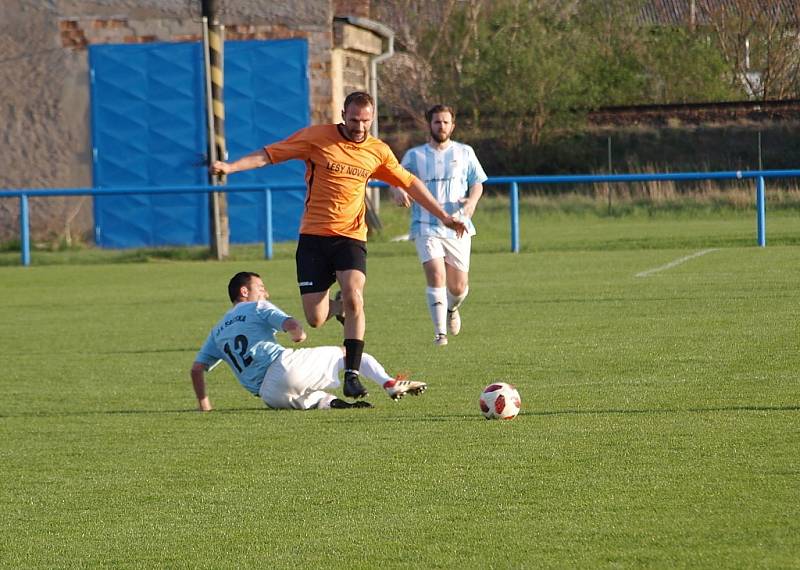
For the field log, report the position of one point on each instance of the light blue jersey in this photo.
(245, 339)
(448, 174)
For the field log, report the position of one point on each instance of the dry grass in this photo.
(662, 195)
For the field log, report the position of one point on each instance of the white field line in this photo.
(675, 263)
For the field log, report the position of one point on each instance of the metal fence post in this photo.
(25, 230)
(267, 223)
(514, 194)
(761, 222)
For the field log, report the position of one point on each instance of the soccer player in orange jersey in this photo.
(340, 159)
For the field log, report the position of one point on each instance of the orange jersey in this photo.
(337, 171)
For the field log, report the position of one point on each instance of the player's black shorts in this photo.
(320, 257)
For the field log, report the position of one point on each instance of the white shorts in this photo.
(298, 378)
(454, 251)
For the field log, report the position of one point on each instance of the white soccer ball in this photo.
(500, 401)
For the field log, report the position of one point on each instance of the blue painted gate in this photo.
(149, 129)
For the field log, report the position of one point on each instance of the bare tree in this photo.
(760, 43)
(427, 35)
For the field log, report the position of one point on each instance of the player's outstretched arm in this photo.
(423, 197)
(295, 329)
(255, 159)
(198, 374)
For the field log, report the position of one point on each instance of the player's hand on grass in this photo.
(204, 405)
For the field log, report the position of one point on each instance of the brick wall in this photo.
(76, 33)
(360, 8)
(45, 104)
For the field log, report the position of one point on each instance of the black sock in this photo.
(353, 349)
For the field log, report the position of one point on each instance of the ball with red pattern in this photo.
(500, 401)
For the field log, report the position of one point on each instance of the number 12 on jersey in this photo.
(240, 344)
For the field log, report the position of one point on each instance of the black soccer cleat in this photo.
(338, 404)
(353, 387)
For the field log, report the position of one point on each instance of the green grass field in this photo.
(660, 424)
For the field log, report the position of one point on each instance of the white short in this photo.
(454, 251)
(298, 378)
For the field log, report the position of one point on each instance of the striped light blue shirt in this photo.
(448, 174)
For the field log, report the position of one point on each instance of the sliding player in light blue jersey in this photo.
(283, 378)
(455, 178)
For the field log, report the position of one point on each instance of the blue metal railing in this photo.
(758, 175)
(513, 183)
(24, 194)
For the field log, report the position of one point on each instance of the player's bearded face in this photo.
(357, 122)
(441, 127)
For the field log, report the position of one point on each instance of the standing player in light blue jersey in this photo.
(455, 178)
(284, 378)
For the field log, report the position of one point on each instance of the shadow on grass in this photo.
(610, 411)
(134, 412)
(413, 418)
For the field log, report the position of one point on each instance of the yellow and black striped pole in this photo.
(213, 40)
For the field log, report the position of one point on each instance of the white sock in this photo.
(455, 301)
(437, 305)
(372, 369)
(325, 401)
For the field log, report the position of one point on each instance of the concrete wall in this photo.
(44, 111)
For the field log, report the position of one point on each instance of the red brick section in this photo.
(111, 23)
(358, 8)
(77, 34)
(250, 32)
(139, 39)
(72, 35)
